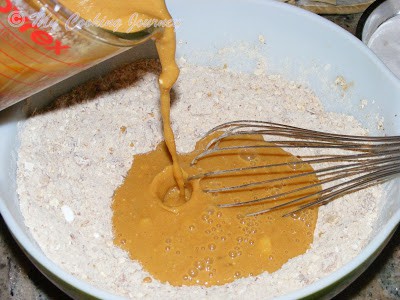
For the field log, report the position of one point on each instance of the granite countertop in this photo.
(20, 280)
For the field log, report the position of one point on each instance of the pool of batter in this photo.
(194, 242)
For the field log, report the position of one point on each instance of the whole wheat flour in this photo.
(75, 154)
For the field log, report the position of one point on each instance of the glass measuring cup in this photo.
(42, 43)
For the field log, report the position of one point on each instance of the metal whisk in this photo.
(362, 161)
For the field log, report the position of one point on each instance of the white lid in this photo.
(385, 43)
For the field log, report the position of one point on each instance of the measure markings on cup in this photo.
(38, 36)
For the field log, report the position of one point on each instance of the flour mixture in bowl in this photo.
(72, 170)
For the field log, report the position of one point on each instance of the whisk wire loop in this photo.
(367, 160)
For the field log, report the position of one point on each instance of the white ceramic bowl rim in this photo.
(373, 246)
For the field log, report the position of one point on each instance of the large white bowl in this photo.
(299, 45)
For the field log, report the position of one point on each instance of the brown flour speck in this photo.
(74, 169)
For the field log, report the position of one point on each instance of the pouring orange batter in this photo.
(165, 43)
(177, 232)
